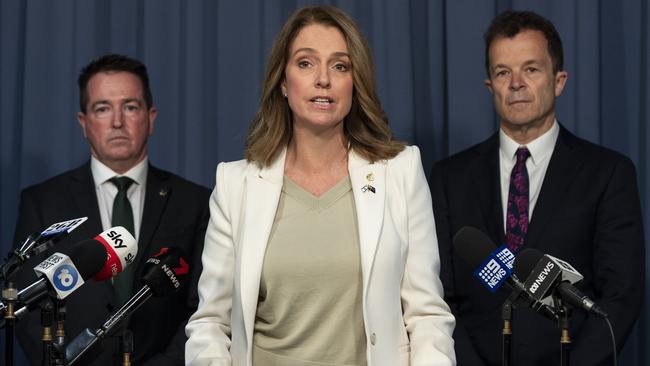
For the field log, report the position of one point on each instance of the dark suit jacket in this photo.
(588, 213)
(175, 214)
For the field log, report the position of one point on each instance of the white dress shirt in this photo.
(106, 191)
(540, 150)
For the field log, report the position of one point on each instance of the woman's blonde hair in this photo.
(365, 127)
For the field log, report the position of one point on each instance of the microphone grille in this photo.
(526, 261)
(88, 256)
(166, 272)
(472, 245)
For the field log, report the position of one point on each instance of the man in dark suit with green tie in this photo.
(118, 186)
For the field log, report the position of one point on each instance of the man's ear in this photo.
(81, 119)
(153, 113)
(560, 81)
(488, 84)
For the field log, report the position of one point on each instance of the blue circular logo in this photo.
(65, 277)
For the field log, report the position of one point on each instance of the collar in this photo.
(540, 148)
(275, 172)
(102, 173)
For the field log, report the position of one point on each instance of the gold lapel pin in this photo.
(162, 192)
(368, 187)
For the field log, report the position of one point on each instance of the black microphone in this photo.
(49, 236)
(547, 276)
(36, 243)
(164, 273)
(67, 270)
(493, 267)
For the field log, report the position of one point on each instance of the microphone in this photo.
(37, 243)
(494, 267)
(63, 272)
(547, 276)
(164, 273)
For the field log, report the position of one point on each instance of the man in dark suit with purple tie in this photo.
(533, 184)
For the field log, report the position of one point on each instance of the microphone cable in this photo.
(611, 333)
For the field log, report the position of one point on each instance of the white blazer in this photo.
(406, 320)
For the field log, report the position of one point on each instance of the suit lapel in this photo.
(486, 177)
(369, 206)
(84, 197)
(157, 193)
(261, 194)
(561, 170)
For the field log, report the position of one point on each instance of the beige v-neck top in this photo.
(309, 310)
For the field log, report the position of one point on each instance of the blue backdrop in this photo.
(206, 61)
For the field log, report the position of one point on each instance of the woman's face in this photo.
(318, 78)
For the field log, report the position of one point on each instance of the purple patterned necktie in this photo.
(517, 214)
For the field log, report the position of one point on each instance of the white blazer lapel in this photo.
(263, 188)
(369, 206)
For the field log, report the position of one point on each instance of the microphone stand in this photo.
(9, 297)
(58, 345)
(46, 321)
(506, 315)
(126, 346)
(565, 339)
(81, 346)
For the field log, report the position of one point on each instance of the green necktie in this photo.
(123, 216)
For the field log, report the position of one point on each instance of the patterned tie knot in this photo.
(122, 183)
(522, 154)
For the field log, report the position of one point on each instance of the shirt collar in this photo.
(540, 148)
(102, 173)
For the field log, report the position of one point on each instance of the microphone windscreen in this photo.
(525, 262)
(473, 246)
(88, 256)
(121, 248)
(166, 272)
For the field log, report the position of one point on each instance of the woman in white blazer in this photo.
(320, 128)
